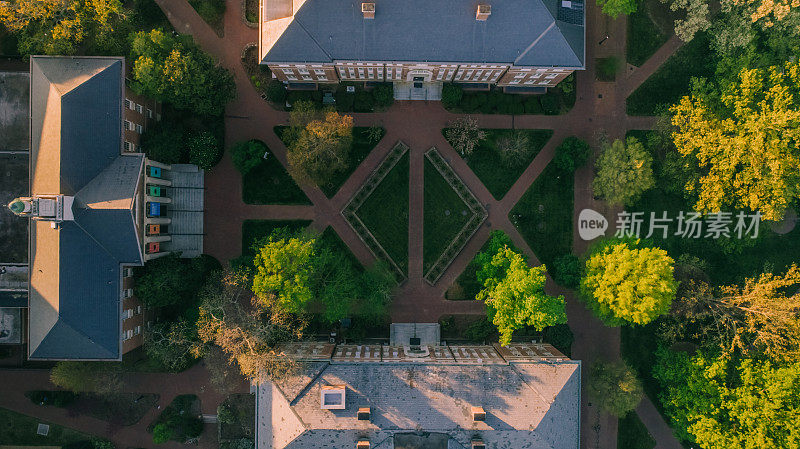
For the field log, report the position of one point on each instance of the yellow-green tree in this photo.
(624, 172)
(320, 144)
(624, 284)
(745, 139)
(283, 271)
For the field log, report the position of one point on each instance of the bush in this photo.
(363, 101)
(276, 91)
(533, 105)
(164, 143)
(551, 103)
(161, 433)
(205, 150)
(480, 330)
(452, 94)
(248, 155)
(54, 398)
(383, 95)
(566, 271)
(571, 154)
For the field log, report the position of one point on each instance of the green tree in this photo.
(718, 401)
(87, 377)
(322, 147)
(515, 295)
(377, 284)
(515, 148)
(161, 433)
(624, 172)
(624, 284)
(614, 8)
(571, 154)
(171, 280)
(248, 155)
(164, 143)
(171, 344)
(745, 138)
(174, 70)
(614, 387)
(284, 267)
(205, 149)
(335, 283)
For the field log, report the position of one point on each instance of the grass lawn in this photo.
(359, 150)
(385, 213)
(332, 240)
(445, 215)
(544, 214)
(632, 434)
(20, 430)
(489, 167)
(253, 230)
(237, 417)
(644, 35)
(124, 409)
(672, 80)
(270, 183)
(213, 12)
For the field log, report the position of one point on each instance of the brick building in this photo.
(97, 208)
(521, 45)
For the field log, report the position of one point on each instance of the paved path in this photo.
(599, 111)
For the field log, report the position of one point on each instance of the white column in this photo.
(159, 165)
(157, 238)
(158, 199)
(157, 220)
(157, 181)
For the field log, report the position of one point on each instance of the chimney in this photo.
(477, 443)
(368, 9)
(362, 444)
(478, 414)
(484, 11)
(363, 413)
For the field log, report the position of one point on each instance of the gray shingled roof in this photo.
(528, 405)
(522, 32)
(76, 139)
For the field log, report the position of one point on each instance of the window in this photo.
(127, 272)
(138, 310)
(128, 104)
(439, 75)
(351, 72)
(149, 113)
(128, 126)
(128, 334)
(371, 73)
(322, 77)
(551, 76)
(129, 146)
(291, 78)
(306, 77)
(158, 117)
(128, 292)
(519, 75)
(303, 71)
(137, 330)
(361, 72)
(319, 72)
(139, 128)
(288, 71)
(127, 313)
(139, 108)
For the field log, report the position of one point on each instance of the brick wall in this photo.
(139, 113)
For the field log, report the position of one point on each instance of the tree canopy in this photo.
(171, 280)
(514, 292)
(248, 155)
(615, 8)
(745, 138)
(624, 284)
(283, 270)
(614, 387)
(624, 172)
(174, 70)
(719, 401)
(86, 377)
(464, 135)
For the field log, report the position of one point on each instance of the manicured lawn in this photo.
(487, 164)
(213, 12)
(359, 150)
(632, 434)
(544, 214)
(17, 429)
(182, 416)
(385, 213)
(445, 215)
(124, 409)
(644, 35)
(673, 79)
(236, 417)
(270, 183)
(332, 240)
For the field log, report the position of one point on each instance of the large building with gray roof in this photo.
(97, 208)
(524, 396)
(420, 44)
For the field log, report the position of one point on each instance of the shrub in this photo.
(276, 91)
(344, 99)
(571, 154)
(533, 105)
(561, 337)
(363, 101)
(551, 103)
(205, 150)
(383, 95)
(480, 330)
(248, 155)
(566, 270)
(452, 94)
(161, 433)
(55, 398)
(164, 143)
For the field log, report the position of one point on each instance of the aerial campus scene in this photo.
(408, 224)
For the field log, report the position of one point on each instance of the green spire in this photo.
(17, 207)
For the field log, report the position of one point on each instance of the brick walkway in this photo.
(599, 110)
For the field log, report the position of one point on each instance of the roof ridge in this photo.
(305, 389)
(538, 38)
(299, 23)
(85, 231)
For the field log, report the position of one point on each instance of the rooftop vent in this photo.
(368, 9)
(332, 397)
(484, 11)
(363, 414)
(478, 414)
(362, 444)
(477, 443)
